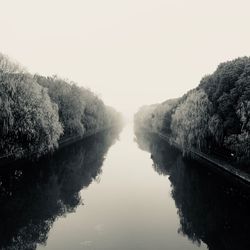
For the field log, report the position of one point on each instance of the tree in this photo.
(29, 120)
(36, 111)
(9, 66)
(229, 90)
(80, 110)
(215, 116)
(190, 121)
(70, 103)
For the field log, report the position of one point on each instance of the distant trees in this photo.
(70, 104)
(80, 110)
(157, 117)
(37, 111)
(144, 117)
(214, 116)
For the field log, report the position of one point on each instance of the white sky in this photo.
(130, 52)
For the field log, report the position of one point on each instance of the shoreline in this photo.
(211, 161)
(6, 160)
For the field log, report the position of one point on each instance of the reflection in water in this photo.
(211, 209)
(32, 197)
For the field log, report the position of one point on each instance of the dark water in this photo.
(105, 193)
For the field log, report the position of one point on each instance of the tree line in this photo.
(37, 111)
(213, 118)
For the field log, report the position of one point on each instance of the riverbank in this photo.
(6, 160)
(210, 161)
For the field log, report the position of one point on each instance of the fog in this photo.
(130, 52)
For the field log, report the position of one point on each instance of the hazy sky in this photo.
(130, 52)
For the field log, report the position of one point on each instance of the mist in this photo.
(131, 52)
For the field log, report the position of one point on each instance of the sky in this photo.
(129, 52)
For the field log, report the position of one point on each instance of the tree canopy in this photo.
(215, 116)
(37, 111)
(29, 121)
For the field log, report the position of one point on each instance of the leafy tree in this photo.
(229, 90)
(215, 125)
(163, 115)
(80, 110)
(29, 120)
(214, 116)
(36, 111)
(9, 66)
(190, 121)
(70, 104)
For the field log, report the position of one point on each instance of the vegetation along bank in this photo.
(213, 118)
(36, 112)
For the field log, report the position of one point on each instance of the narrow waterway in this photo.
(130, 195)
(130, 207)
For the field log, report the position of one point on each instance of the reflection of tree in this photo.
(162, 154)
(212, 209)
(32, 197)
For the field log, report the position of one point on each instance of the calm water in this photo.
(123, 194)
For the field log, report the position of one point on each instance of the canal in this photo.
(124, 192)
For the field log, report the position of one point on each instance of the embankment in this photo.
(211, 161)
(6, 160)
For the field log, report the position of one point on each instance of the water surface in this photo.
(125, 194)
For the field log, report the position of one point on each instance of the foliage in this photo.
(28, 119)
(214, 116)
(9, 66)
(80, 110)
(228, 88)
(37, 111)
(70, 104)
(190, 121)
(143, 118)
